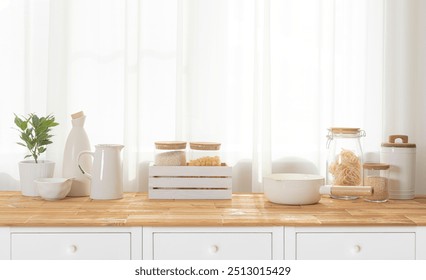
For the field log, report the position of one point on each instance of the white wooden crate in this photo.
(190, 182)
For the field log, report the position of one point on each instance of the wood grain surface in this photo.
(135, 209)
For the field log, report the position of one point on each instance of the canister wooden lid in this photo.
(211, 146)
(375, 166)
(404, 144)
(170, 145)
(344, 130)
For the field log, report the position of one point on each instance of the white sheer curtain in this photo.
(263, 77)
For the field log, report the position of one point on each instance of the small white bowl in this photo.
(53, 188)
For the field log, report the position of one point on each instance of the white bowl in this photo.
(293, 188)
(53, 188)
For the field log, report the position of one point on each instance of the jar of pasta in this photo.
(204, 154)
(344, 161)
(376, 175)
(170, 153)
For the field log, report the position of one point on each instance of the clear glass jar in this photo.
(204, 154)
(344, 161)
(170, 153)
(376, 175)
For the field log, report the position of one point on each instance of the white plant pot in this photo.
(29, 171)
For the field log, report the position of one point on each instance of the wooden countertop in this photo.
(243, 210)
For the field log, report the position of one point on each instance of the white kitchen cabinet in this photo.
(351, 243)
(421, 243)
(101, 243)
(4, 243)
(173, 243)
(213, 243)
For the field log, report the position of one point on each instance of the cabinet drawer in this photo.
(60, 246)
(212, 245)
(380, 246)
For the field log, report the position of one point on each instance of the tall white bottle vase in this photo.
(77, 141)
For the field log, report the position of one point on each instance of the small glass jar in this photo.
(170, 153)
(344, 161)
(376, 175)
(204, 154)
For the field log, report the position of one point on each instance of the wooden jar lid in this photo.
(170, 145)
(404, 144)
(210, 146)
(344, 130)
(375, 166)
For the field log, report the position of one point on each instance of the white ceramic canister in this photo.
(401, 156)
(77, 141)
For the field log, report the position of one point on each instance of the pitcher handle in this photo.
(88, 175)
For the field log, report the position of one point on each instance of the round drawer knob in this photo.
(214, 249)
(357, 248)
(72, 249)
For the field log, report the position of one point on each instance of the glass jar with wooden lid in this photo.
(204, 154)
(344, 161)
(376, 175)
(170, 153)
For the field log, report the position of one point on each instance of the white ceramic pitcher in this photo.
(107, 175)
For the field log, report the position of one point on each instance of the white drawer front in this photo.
(4, 244)
(205, 246)
(355, 246)
(62, 246)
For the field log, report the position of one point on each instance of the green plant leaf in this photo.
(46, 142)
(34, 132)
(21, 124)
(25, 138)
(35, 120)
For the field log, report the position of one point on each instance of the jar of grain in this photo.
(344, 161)
(204, 154)
(376, 175)
(170, 153)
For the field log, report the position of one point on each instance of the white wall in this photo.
(420, 93)
(405, 73)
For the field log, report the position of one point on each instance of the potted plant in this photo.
(35, 135)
